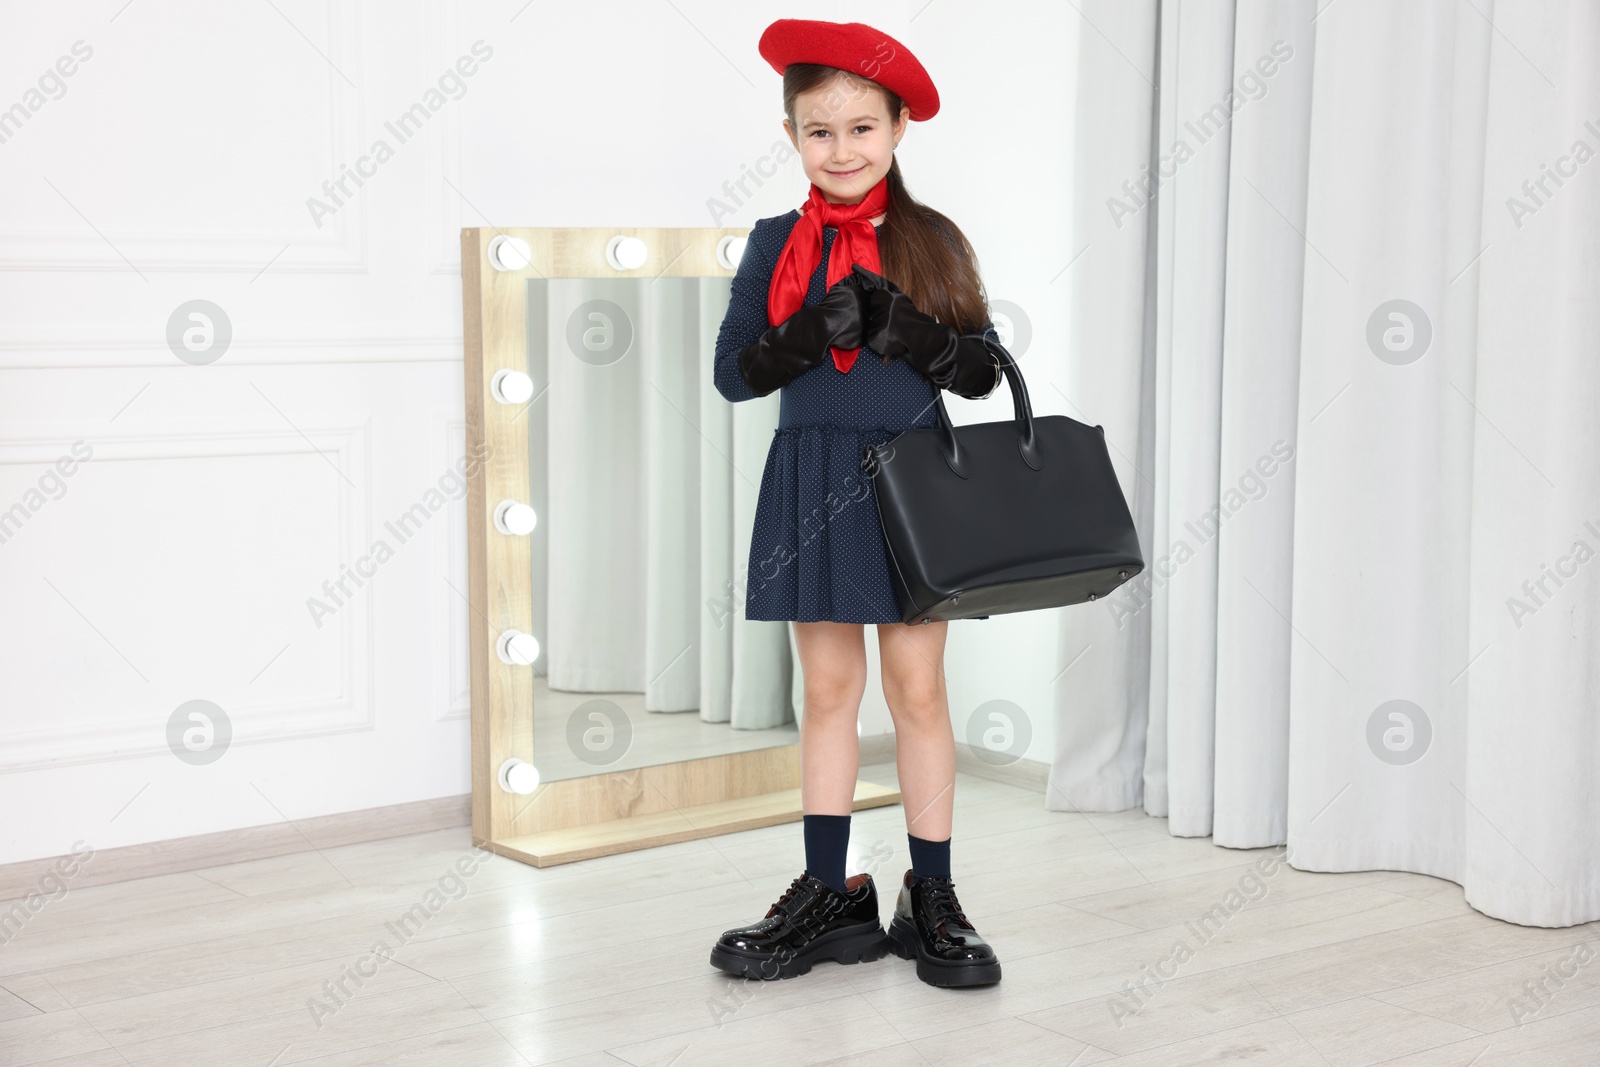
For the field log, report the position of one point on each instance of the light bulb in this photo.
(515, 518)
(626, 253)
(730, 250)
(509, 253)
(517, 648)
(511, 386)
(518, 776)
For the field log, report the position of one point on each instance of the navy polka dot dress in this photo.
(817, 550)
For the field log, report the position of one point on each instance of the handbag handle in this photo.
(1022, 410)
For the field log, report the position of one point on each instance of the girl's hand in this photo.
(961, 363)
(845, 309)
(883, 301)
(870, 280)
(890, 315)
(800, 342)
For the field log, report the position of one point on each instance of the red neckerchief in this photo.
(855, 242)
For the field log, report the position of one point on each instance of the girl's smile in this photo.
(846, 140)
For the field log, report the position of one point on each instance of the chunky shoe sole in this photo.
(851, 944)
(907, 944)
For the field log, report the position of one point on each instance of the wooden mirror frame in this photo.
(615, 811)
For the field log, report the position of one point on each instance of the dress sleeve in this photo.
(746, 319)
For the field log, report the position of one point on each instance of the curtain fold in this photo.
(1191, 259)
(1337, 281)
(1268, 174)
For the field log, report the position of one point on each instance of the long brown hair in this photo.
(939, 273)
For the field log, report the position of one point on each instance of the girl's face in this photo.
(846, 140)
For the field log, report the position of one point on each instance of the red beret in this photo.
(857, 48)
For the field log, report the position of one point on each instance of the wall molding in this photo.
(452, 676)
(342, 249)
(73, 348)
(443, 168)
(350, 710)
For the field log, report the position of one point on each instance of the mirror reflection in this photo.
(645, 482)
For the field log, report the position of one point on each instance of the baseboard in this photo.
(180, 854)
(877, 748)
(1022, 773)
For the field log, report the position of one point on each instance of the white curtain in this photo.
(650, 483)
(1336, 310)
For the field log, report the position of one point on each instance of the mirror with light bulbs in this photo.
(620, 699)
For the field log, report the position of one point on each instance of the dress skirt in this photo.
(817, 550)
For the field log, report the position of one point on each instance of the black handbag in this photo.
(1001, 516)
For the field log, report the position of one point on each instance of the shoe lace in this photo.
(782, 903)
(943, 905)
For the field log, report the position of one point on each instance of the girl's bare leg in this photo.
(912, 662)
(834, 658)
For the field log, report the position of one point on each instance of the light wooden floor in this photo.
(605, 962)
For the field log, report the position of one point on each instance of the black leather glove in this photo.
(961, 363)
(802, 340)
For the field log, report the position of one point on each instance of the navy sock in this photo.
(929, 859)
(827, 842)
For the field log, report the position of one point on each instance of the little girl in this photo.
(813, 293)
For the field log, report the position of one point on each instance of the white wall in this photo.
(175, 163)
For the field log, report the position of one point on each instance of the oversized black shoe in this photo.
(930, 927)
(811, 921)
